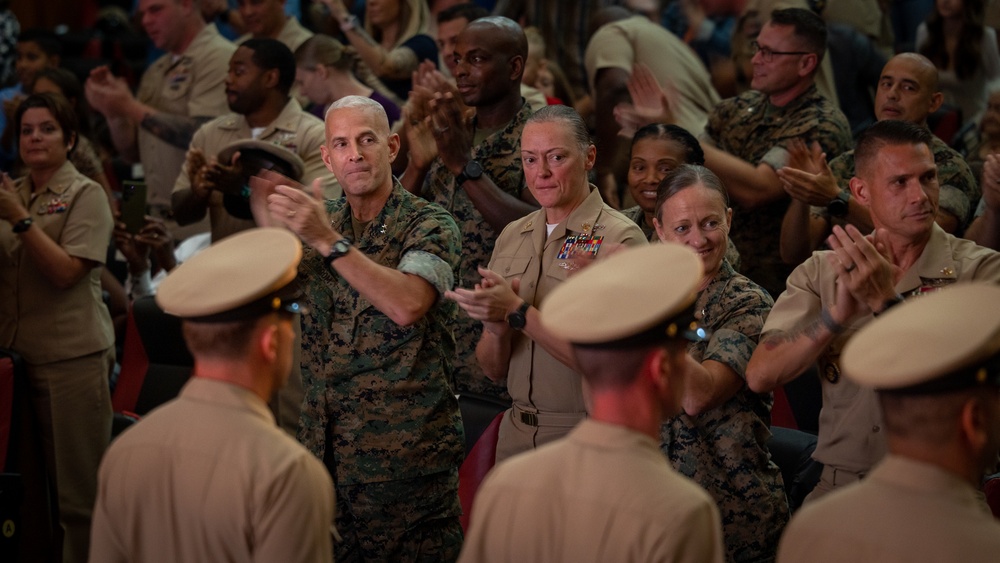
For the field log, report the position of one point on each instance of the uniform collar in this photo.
(380, 229)
(59, 182)
(204, 37)
(610, 436)
(903, 472)
(583, 219)
(936, 264)
(807, 96)
(224, 394)
(511, 129)
(287, 121)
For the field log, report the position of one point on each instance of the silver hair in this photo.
(360, 102)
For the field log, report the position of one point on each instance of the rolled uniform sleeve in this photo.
(432, 249)
(436, 271)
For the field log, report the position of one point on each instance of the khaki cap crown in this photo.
(624, 295)
(232, 273)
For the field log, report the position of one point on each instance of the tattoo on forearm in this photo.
(778, 338)
(174, 129)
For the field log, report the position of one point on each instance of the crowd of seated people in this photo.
(419, 179)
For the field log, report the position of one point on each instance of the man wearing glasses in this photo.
(746, 137)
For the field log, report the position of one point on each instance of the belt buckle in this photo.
(529, 418)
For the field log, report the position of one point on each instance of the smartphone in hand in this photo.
(133, 208)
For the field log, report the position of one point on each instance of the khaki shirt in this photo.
(536, 380)
(190, 85)
(603, 493)
(292, 34)
(38, 320)
(850, 425)
(625, 43)
(210, 477)
(904, 511)
(294, 129)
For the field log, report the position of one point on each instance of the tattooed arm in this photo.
(784, 355)
(111, 96)
(784, 352)
(174, 129)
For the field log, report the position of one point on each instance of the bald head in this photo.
(489, 63)
(919, 65)
(503, 35)
(908, 89)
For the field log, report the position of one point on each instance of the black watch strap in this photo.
(519, 318)
(339, 249)
(472, 171)
(838, 206)
(23, 225)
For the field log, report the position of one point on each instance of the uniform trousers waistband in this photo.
(559, 420)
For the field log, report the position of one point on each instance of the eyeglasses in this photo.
(767, 54)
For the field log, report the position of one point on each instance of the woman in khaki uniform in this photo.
(55, 227)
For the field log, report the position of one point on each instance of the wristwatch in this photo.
(22, 225)
(518, 318)
(472, 171)
(339, 249)
(838, 205)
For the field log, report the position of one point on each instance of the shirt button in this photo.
(876, 428)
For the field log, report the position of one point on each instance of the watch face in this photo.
(516, 320)
(837, 208)
(838, 205)
(473, 169)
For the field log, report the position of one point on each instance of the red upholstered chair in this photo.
(155, 362)
(477, 464)
(134, 366)
(9, 364)
(781, 412)
(992, 490)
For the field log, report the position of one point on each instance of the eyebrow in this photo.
(358, 136)
(909, 81)
(549, 149)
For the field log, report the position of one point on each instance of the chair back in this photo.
(170, 362)
(475, 467)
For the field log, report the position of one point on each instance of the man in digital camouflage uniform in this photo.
(377, 344)
(907, 90)
(477, 174)
(747, 136)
